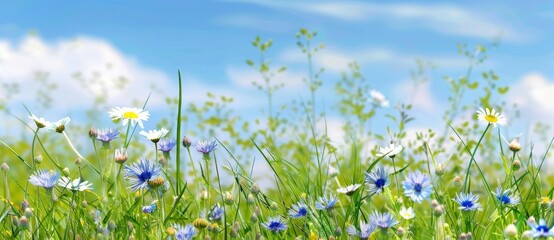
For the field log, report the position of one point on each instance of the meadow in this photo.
(65, 179)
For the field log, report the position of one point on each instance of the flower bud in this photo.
(203, 195)
(23, 222)
(24, 204)
(274, 206)
(28, 213)
(214, 228)
(255, 189)
(439, 170)
(457, 181)
(250, 199)
(5, 167)
(516, 165)
(187, 142)
(462, 237)
(531, 220)
(200, 223)
(92, 133)
(527, 235)
(514, 145)
(434, 204)
(229, 198)
(120, 155)
(38, 159)
(400, 231)
(170, 231)
(438, 211)
(510, 231)
(78, 162)
(156, 182)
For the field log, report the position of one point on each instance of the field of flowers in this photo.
(71, 180)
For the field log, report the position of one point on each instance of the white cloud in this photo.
(336, 60)
(96, 60)
(420, 96)
(532, 94)
(244, 77)
(446, 19)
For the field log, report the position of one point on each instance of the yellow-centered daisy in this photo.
(491, 116)
(127, 114)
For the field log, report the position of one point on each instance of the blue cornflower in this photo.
(45, 178)
(505, 198)
(165, 145)
(324, 203)
(468, 202)
(149, 208)
(106, 136)
(215, 213)
(275, 225)
(540, 230)
(298, 210)
(377, 180)
(185, 233)
(205, 147)
(140, 173)
(382, 220)
(417, 186)
(365, 230)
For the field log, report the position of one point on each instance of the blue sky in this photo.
(210, 40)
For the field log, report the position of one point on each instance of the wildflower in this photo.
(140, 173)
(132, 115)
(468, 202)
(205, 147)
(185, 233)
(407, 213)
(505, 198)
(349, 190)
(365, 230)
(166, 146)
(149, 208)
(298, 210)
(400, 231)
(417, 186)
(44, 178)
(215, 213)
(154, 135)
(38, 159)
(540, 230)
(229, 198)
(40, 122)
(383, 221)
(59, 126)
(378, 99)
(377, 180)
(106, 136)
(457, 181)
(120, 155)
(324, 203)
(75, 185)
(92, 133)
(275, 225)
(491, 116)
(391, 151)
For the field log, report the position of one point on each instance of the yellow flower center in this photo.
(130, 115)
(491, 118)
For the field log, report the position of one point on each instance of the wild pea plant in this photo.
(466, 181)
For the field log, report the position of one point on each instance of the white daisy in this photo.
(391, 151)
(59, 126)
(378, 98)
(491, 116)
(127, 114)
(40, 122)
(75, 185)
(349, 190)
(407, 213)
(154, 135)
